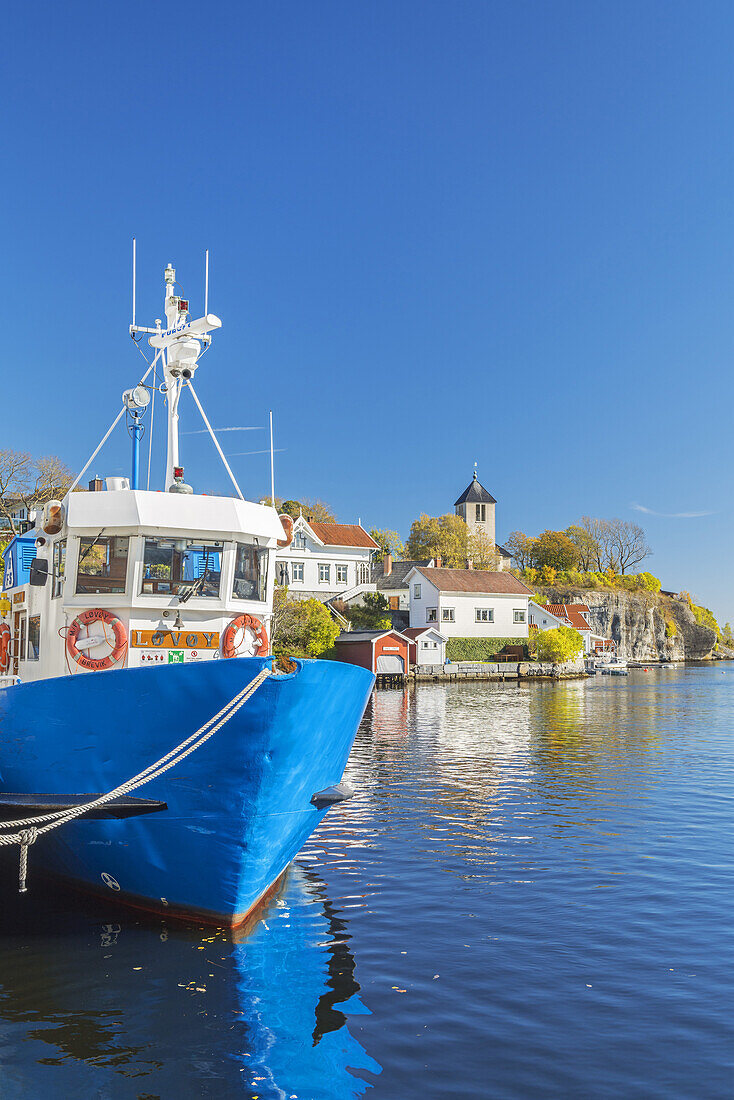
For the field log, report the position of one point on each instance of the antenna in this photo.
(272, 465)
(206, 282)
(133, 283)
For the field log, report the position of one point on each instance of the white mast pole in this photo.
(209, 428)
(134, 265)
(206, 283)
(272, 463)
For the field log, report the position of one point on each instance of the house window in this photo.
(431, 615)
(363, 573)
(481, 513)
(102, 564)
(341, 574)
(282, 567)
(483, 615)
(299, 541)
(59, 565)
(518, 616)
(424, 645)
(297, 569)
(34, 637)
(447, 615)
(250, 573)
(171, 566)
(324, 573)
(416, 591)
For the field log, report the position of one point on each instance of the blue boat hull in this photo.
(239, 808)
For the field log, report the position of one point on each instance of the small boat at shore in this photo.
(135, 657)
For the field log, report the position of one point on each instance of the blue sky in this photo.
(440, 233)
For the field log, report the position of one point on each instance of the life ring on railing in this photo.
(4, 647)
(235, 638)
(287, 524)
(87, 618)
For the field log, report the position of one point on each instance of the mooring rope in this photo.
(27, 829)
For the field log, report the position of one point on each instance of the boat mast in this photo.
(178, 349)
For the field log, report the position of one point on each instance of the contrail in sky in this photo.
(671, 515)
(203, 431)
(276, 451)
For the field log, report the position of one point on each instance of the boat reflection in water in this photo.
(111, 1008)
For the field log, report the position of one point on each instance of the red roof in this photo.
(570, 611)
(414, 632)
(342, 534)
(475, 580)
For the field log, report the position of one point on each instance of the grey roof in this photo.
(505, 553)
(475, 493)
(396, 579)
(365, 635)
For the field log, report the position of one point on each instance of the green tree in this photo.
(559, 645)
(311, 509)
(587, 545)
(481, 550)
(371, 614)
(389, 542)
(301, 628)
(555, 550)
(439, 536)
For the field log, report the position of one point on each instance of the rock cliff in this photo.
(644, 626)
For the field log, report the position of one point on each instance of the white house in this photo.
(427, 645)
(575, 615)
(542, 617)
(469, 603)
(325, 560)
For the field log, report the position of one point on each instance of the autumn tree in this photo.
(627, 544)
(520, 546)
(481, 550)
(301, 628)
(558, 645)
(555, 550)
(372, 614)
(586, 544)
(309, 509)
(389, 542)
(29, 482)
(439, 536)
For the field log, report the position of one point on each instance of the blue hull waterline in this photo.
(238, 809)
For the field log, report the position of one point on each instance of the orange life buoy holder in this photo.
(4, 647)
(86, 618)
(287, 524)
(231, 646)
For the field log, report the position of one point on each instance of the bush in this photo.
(671, 630)
(478, 649)
(371, 614)
(559, 645)
(704, 617)
(301, 628)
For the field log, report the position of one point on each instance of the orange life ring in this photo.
(230, 646)
(287, 524)
(86, 618)
(4, 647)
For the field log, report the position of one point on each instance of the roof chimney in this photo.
(387, 565)
(469, 563)
(439, 562)
(96, 485)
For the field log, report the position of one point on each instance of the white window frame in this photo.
(483, 614)
(518, 615)
(416, 591)
(324, 573)
(342, 574)
(448, 614)
(297, 566)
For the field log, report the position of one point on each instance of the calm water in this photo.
(531, 895)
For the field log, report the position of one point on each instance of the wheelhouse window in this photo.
(172, 566)
(59, 567)
(250, 573)
(102, 564)
(34, 638)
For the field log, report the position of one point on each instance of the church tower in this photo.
(476, 508)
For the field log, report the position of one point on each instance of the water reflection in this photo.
(92, 1002)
